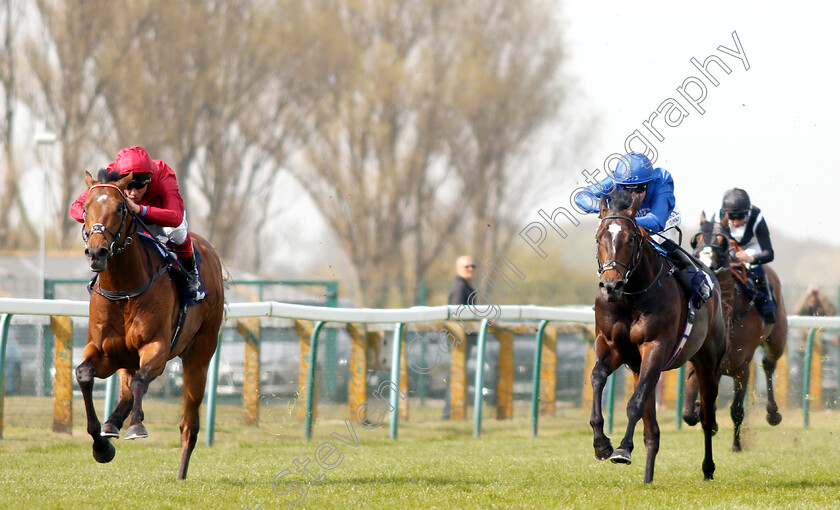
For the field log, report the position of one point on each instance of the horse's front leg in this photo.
(651, 436)
(649, 371)
(94, 366)
(112, 427)
(772, 353)
(152, 363)
(605, 364)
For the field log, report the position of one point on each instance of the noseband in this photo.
(99, 228)
(635, 259)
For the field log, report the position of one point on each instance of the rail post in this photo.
(62, 328)
(806, 377)
(535, 391)
(396, 369)
(311, 389)
(250, 330)
(504, 379)
(211, 385)
(5, 322)
(479, 377)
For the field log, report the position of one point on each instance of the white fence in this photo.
(272, 309)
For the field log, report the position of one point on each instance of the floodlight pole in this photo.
(44, 139)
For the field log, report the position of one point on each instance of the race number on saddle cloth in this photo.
(154, 196)
(658, 214)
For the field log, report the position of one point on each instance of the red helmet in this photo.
(132, 159)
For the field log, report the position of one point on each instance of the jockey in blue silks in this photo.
(658, 212)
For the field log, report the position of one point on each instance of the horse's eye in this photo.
(120, 208)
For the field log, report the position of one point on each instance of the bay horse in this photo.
(640, 312)
(134, 313)
(714, 246)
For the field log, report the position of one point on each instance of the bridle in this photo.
(635, 258)
(720, 254)
(99, 228)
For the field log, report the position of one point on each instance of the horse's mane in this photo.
(106, 175)
(620, 199)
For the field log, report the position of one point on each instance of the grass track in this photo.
(432, 465)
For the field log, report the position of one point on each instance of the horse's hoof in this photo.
(604, 452)
(109, 430)
(105, 453)
(774, 419)
(136, 432)
(691, 420)
(621, 456)
(736, 448)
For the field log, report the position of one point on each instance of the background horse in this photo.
(746, 328)
(640, 313)
(134, 311)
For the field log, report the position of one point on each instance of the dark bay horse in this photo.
(714, 246)
(640, 314)
(134, 311)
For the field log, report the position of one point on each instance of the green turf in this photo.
(432, 465)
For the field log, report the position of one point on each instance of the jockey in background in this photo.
(748, 228)
(658, 212)
(153, 195)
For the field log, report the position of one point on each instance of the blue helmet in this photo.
(633, 168)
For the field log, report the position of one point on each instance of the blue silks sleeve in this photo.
(659, 203)
(589, 198)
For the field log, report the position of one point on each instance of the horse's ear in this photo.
(603, 207)
(89, 181)
(713, 217)
(724, 221)
(635, 204)
(703, 217)
(123, 183)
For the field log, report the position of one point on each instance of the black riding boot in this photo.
(193, 282)
(681, 261)
(766, 303)
(684, 263)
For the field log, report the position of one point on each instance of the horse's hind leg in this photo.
(103, 450)
(774, 348)
(152, 363)
(741, 381)
(195, 377)
(111, 428)
(651, 436)
(708, 384)
(691, 416)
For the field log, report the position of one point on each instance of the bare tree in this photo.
(68, 83)
(207, 89)
(423, 127)
(10, 197)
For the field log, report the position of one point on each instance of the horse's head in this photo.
(106, 218)
(619, 242)
(712, 244)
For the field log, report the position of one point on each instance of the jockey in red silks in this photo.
(154, 196)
